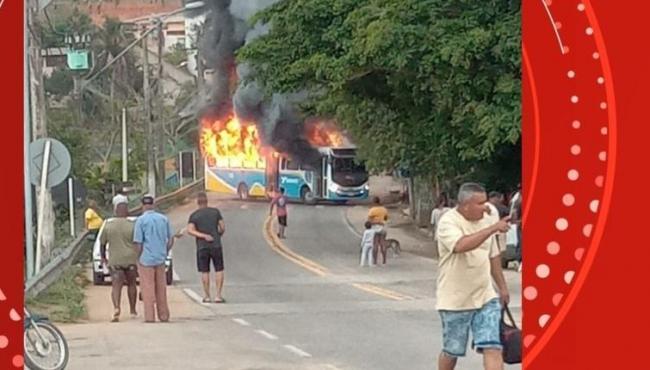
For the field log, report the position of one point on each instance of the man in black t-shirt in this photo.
(207, 226)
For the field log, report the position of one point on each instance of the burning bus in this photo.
(236, 162)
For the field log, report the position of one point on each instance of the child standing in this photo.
(367, 242)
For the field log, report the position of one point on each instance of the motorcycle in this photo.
(45, 346)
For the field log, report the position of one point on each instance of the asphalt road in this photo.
(346, 317)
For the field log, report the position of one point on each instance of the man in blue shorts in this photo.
(469, 260)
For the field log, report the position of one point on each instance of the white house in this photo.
(193, 26)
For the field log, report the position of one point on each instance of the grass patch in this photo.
(63, 301)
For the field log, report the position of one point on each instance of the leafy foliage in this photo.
(432, 86)
(89, 125)
(60, 83)
(177, 55)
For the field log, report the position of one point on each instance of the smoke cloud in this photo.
(278, 120)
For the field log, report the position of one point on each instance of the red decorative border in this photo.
(580, 277)
(11, 258)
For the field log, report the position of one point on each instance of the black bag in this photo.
(510, 339)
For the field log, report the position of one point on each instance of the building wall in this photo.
(192, 25)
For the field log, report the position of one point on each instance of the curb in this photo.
(349, 223)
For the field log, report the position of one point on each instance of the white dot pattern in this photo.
(568, 276)
(543, 271)
(530, 293)
(568, 200)
(553, 248)
(584, 152)
(543, 320)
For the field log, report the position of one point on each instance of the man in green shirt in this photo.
(123, 258)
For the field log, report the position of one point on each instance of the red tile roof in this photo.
(128, 9)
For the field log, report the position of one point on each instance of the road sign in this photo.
(78, 60)
(59, 166)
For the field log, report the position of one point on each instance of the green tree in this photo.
(60, 83)
(428, 85)
(89, 124)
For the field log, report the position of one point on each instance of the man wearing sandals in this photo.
(207, 226)
(123, 259)
(469, 261)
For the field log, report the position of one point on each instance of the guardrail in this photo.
(173, 198)
(53, 270)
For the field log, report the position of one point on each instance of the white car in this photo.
(100, 271)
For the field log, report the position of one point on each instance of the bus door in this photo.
(323, 175)
(272, 173)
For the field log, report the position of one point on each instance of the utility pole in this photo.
(125, 149)
(199, 61)
(27, 134)
(151, 169)
(39, 128)
(160, 100)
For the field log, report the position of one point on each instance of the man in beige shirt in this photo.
(469, 261)
(122, 259)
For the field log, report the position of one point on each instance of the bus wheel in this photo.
(242, 191)
(307, 196)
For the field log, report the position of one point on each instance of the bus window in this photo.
(291, 165)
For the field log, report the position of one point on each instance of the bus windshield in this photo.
(348, 172)
(347, 165)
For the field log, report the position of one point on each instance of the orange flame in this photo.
(231, 143)
(324, 134)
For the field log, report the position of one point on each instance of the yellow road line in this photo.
(279, 247)
(382, 292)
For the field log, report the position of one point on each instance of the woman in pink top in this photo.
(280, 202)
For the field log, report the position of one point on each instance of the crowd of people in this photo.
(499, 205)
(136, 248)
(470, 237)
(471, 289)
